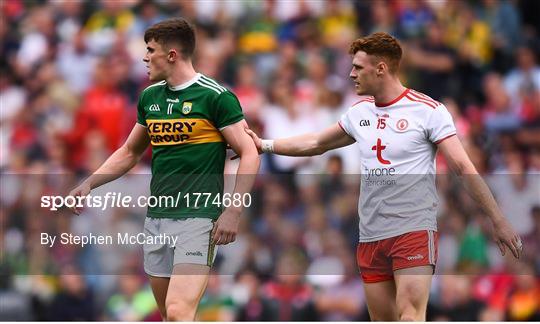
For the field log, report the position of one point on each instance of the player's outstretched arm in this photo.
(459, 162)
(226, 226)
(120, 162)
(304, 145)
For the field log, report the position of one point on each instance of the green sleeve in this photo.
(228, 110)
(141, 118)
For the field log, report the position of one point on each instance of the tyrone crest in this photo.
(402, 124)
(186, 107)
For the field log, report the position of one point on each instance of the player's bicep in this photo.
(138, 140)
(334, 137)
(455, 155)
(238, 139)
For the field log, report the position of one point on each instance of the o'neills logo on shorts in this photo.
(415, 257)
(182, 131)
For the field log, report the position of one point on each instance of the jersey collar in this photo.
(386, 104)
(185, 84)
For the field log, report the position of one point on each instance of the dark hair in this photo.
(173, 31)
(381, 45)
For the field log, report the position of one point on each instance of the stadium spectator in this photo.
(434, 63)
(74, 301)
(498, 113)
(531, 241)
(253, 306)
(524, 299)
(455, 300)
(342, 300)
(291, 296)
(103, 113)
(217, 303)
(523, 83)
(132, 302)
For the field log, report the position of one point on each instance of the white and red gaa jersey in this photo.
(397, 144)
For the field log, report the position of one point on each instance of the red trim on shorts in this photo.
(393, 101)
(373, 278)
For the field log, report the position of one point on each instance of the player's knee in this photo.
(408, 318)
(409, 308)
(411, 304)
(179, 311)
(407, 312)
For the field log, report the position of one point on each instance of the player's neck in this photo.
(182, 73)
(389, 93)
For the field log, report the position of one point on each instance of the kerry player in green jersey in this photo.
(188, 119)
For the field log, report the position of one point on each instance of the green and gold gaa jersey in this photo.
(188, 150)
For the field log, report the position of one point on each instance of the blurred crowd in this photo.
(70, 75)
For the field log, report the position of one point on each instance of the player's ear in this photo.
(381, 68)
(172, 55)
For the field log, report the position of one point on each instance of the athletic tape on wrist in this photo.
(267, 146)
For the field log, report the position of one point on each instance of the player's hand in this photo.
(226, 227)
(505, 236)
(81, 191)
(255, 139)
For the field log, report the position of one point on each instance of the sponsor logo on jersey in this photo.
(154, 107)
(173, 100)
(379, 148)
(402, 124)
(378, 172)
(379, 177)
(186, 107)
(364, 122)
(182, 131)
(415, 257)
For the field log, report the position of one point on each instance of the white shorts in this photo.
(192, 244)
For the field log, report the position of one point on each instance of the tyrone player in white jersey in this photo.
(398, 131)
